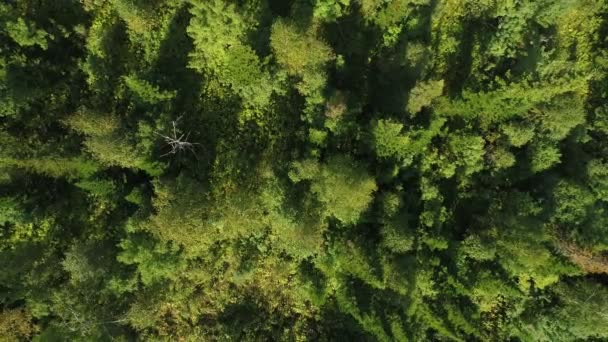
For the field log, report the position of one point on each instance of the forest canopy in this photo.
(304, 170)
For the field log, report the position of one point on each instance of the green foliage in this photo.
(154, 261)
(572, 203)
(317, 137)
(330, 10)
(423, 95)
(578, 315)
(344, 188)
(231, 170)
(518, 134)
(108, 145)
(146, 92)
(521, 100)
(502, 158)
(298, 51)
(220, 48)
(26, 35)
(597, 173)
(543, 155)
(397, 237)
(302, 54)
(53, 166)
(388, 141)
(467, 153)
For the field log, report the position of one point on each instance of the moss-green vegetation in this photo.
(304, 170)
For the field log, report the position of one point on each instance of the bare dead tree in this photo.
(176, 141)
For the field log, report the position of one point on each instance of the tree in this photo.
(330, 10)
(25, 35)
(302, 54)
(579, 314)
(210, 170)
(16, 325)
(342, 186)
(225, 52)
(388, 140)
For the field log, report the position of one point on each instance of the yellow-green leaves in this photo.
(26, 34)
(219, 32)
(106, 143)
(303, 55)
(146, 92)
(389, 142)
(543, 155)
(518, 134)
(423, 95)
(342, 185)
(330, 10)
(297, 49)
(345, 188)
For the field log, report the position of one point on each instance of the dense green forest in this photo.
(304, 170)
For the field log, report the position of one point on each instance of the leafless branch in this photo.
(177, 143)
